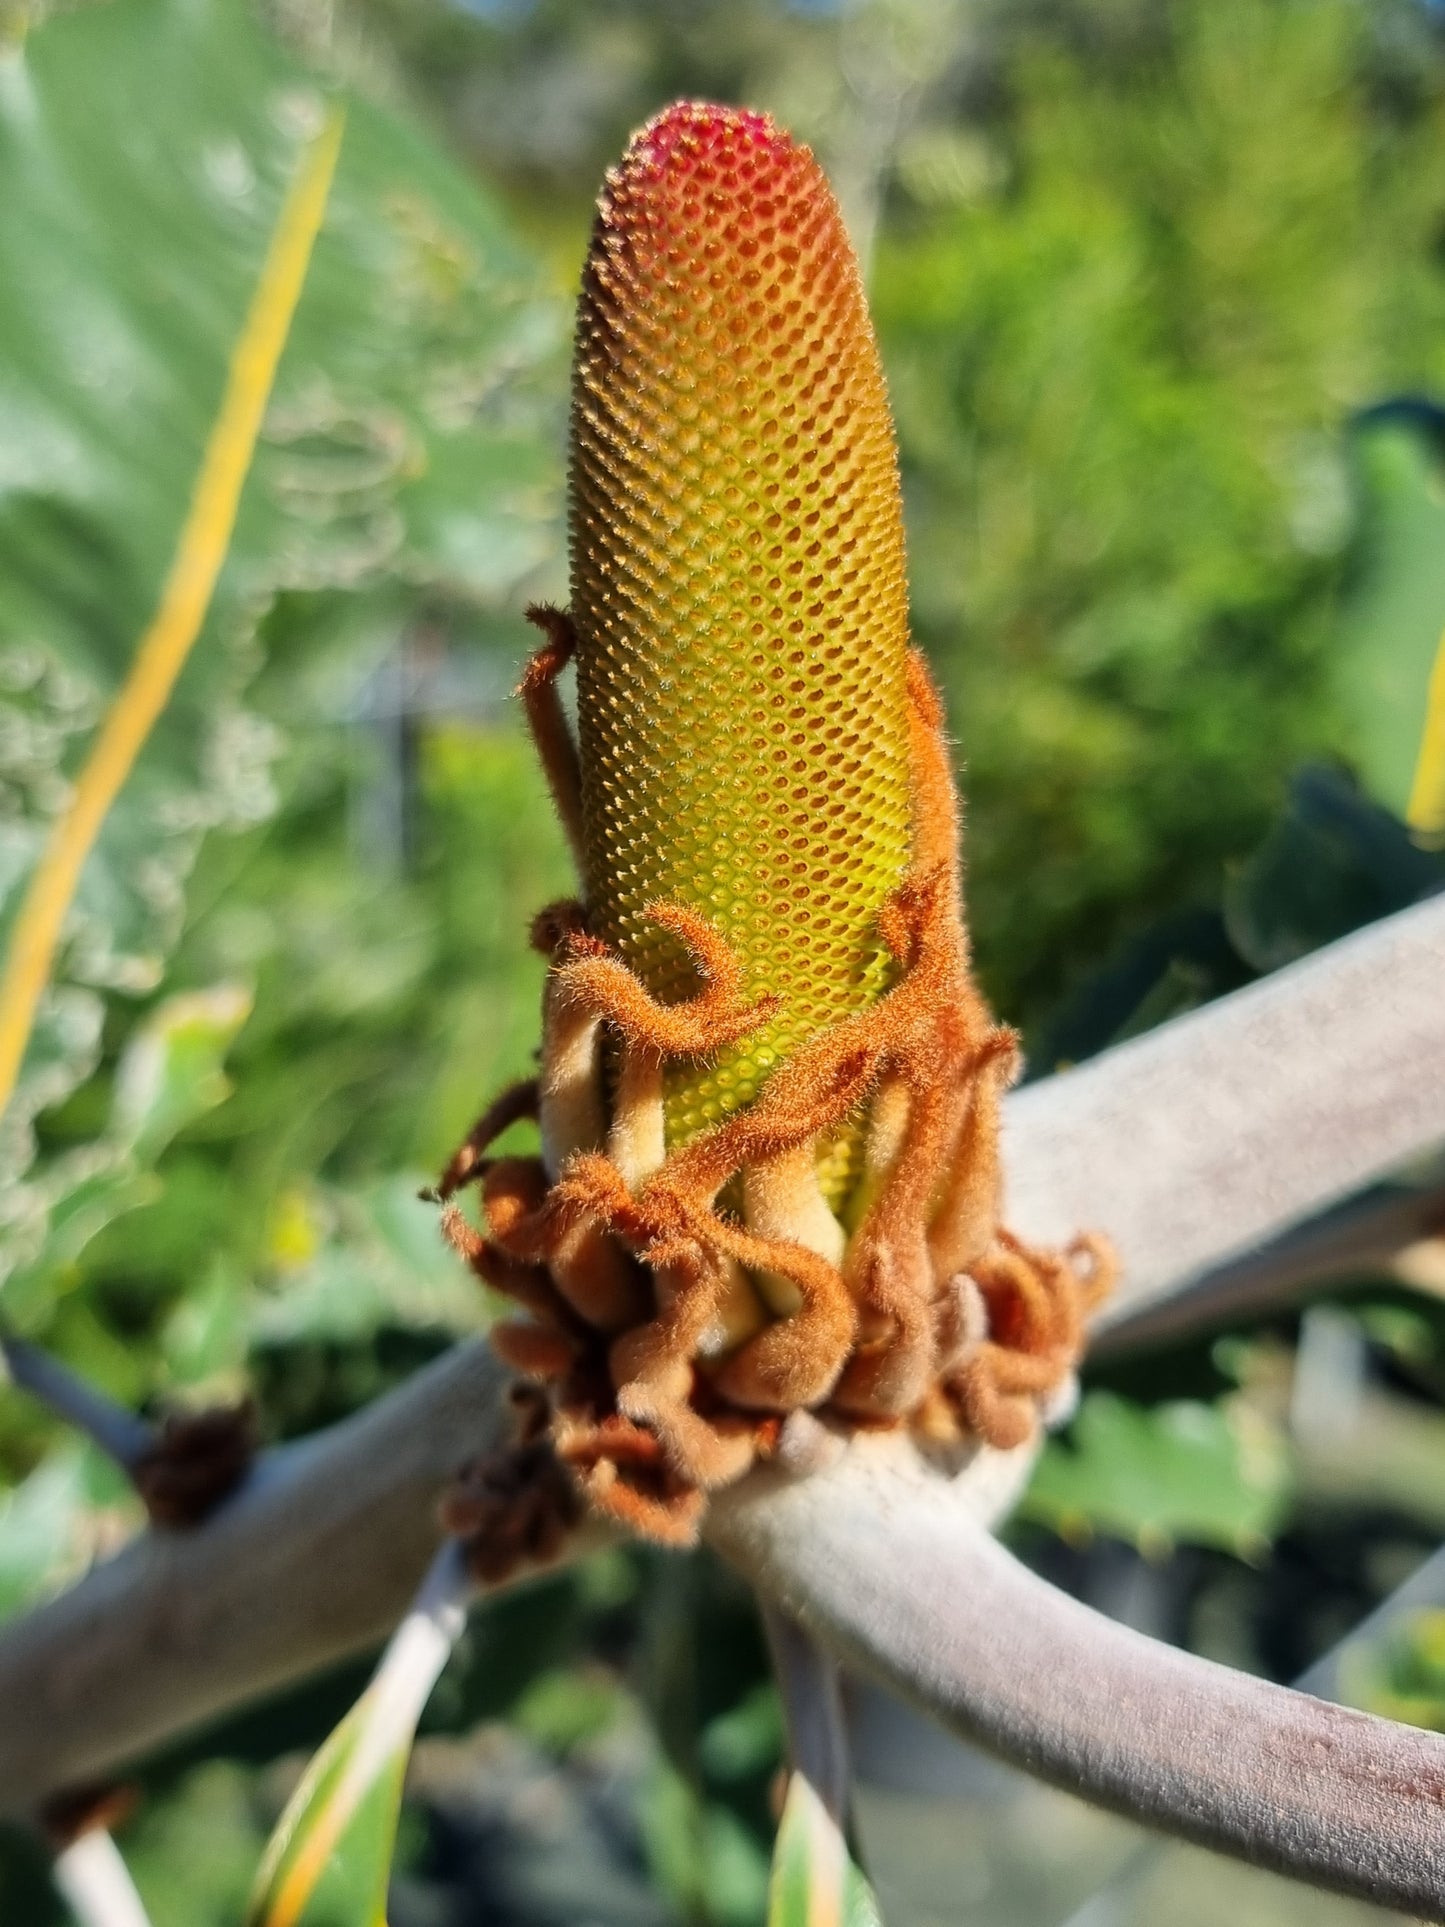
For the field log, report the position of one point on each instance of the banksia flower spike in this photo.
(770, 1088)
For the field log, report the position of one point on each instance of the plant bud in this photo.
(738, 588)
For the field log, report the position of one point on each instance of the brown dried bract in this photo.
(514, 1509)
(197, 1461)
(679, 1303)
(96, 1807)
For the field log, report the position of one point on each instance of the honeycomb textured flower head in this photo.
(738, 587)
(766, 993)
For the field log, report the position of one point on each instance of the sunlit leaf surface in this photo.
(400, 443)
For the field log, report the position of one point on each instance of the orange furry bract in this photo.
(738, 587)
(769, 1087)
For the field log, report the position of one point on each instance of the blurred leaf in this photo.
(1119, 378)
(401, 444)
(37, 1520)
(1402, 1676)
(567, 1707)
(328, 1861)
(815, 1881)
(169, 1074)
(73, 1508)
(1173, 964)
(1202, 1474)
(747, 1739)
(203, 1342)
(1405, 1333)
(171, 1071)
(1332, 862)
(376, 1258)
(1426, 809)
(699, 1854)
(1391, 622)
(193, 1846)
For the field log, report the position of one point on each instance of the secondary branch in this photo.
(897, 1570)
(1202, 1139)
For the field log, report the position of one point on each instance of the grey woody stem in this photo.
(812, 1709)
(1189, 1146)
(1199, 1141)
(318, 1555)
(899, 1573)
(1368, 1235)
(1425, 1588)
(119, 1433)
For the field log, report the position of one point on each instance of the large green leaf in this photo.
(401, 443)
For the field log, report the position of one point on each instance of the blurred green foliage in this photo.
(1205, 1474)
(1121, 376)
(1136, 265)
(1390, 619)
(1405, 1680)
(1138, 268)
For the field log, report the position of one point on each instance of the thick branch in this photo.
(1188, 1145)
(317, 1556)
(1367, 1235)
(1201, 1139)
(896, 1569)
(1326, 1679)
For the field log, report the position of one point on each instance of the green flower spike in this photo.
(770, 1087)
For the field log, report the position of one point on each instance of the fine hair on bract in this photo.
(770, 1088)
